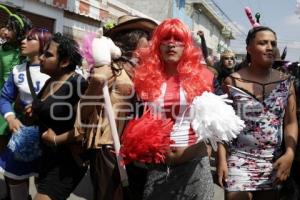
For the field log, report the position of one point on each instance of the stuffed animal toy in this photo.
(98, 50)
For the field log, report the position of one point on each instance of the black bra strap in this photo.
(262, 84)
(30, 84)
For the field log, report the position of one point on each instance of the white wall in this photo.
(118, 8)
(157, 9)
(162, 9)
(211, 32)
(78, 29)
(79, 25)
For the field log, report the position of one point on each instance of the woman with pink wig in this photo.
(169, 76)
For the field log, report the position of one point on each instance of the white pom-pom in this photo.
(214, 120)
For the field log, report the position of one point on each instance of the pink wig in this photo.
(149, 75)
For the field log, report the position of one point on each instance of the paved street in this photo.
(84, 190)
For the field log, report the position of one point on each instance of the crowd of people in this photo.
(129, 120)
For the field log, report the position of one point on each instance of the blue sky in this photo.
(277, 14)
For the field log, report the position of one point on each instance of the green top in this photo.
(9, 57)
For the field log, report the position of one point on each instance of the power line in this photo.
(242, 6)
(225, 17)
(229, 19)
(278, 41)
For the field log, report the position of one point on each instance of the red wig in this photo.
(149, 75)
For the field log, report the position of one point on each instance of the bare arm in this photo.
(222, 168)
(284, 163)
(291, 124)
(203, 44)
(51, 138)
(227, 81)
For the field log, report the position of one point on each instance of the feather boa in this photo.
(214, 120)
(86, 49)
(146, 139)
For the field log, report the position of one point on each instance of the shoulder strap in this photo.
(233, 79)
(30, 84)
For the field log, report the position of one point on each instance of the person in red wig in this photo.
(167, 79)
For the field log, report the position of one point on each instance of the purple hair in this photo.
(44, 36)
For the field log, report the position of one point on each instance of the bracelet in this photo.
(54, 140)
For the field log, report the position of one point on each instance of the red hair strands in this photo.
(149, 75)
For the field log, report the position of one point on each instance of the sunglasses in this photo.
(229, 58)
(172, 43)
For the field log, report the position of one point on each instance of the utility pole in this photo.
(297, 11)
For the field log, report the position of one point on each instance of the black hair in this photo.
(252, 33)
(12, 23)
(67, 48)
(127, 40)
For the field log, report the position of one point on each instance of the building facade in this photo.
(71, 17)
(197, 14)
(76, 17)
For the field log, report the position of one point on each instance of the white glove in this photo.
(103, 50)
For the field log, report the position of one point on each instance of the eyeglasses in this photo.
(172, 43)
(229, 58)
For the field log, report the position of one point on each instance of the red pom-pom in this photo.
(146, 139)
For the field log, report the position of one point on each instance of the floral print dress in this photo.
(253, 152)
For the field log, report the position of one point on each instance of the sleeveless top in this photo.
(172, 103)
(262, 136)
(253, 152)
(57, 110)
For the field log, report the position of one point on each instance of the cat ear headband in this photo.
(254, 23)
(18, 18)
